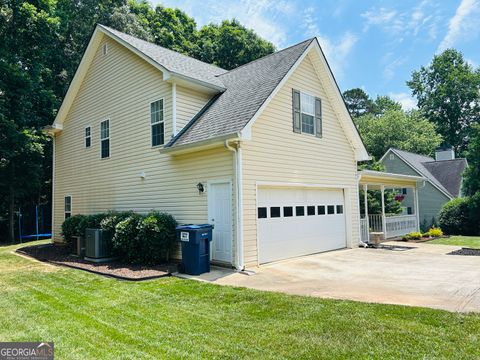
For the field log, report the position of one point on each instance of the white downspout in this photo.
(53, 187)
(239, 192)
(174, 109)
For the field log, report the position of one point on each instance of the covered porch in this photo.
(384, 223)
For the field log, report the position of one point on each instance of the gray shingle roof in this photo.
(174, 61)
(247, 88)
(446, 174)
(449, 173)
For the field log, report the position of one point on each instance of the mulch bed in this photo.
(466, 252)
(60, 256)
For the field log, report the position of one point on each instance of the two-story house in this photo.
(266, 152)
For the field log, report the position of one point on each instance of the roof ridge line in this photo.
(164, 48)
(266, 56)
(437, 161)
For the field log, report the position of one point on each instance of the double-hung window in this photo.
(68, 207)
(307, 114)
(88, 137)
(156, 122)
(105, 139)
(307, 109)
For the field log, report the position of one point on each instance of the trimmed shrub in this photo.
(112, 218)
(454, 217)
(156, 234)
(474, 213)
(413, 236)
(125, 240)
(435, 232)
(70, 228)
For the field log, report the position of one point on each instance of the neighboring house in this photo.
(443, 174)
(271, 143)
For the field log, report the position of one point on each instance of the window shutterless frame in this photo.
(88, 137)
(67, 206)
(105, 139)
(157, 122)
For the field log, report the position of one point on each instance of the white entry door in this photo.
(299, 221)
(220, 215)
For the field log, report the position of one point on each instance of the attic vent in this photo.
(105, 49)
(392, 157)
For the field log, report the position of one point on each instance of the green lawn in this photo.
(93, 317)
(464, 241)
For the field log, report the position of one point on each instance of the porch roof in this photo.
(375, 179)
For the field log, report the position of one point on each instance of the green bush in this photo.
(70, 228)
(156, 234)
(414, 235)
(454, 217)
(435, 232)
(125, 240)
(112, 218)
(136, 238)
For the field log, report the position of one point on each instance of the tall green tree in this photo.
(448, 94)
(408, 131)
(471, 177)
(230, 45)
(358, 102)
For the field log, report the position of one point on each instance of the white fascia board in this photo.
(361, 153)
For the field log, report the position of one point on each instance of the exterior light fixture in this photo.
(200, 188)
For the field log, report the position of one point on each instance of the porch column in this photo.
(415, 206)
(365, 204)
(384, 220)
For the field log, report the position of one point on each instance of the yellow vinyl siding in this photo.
(277, 154)
(120, 87)
(189, 103)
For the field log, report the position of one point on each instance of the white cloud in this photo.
(463, 23)
(336, 52)
(382, 16)
(402, 23)
(405, 99)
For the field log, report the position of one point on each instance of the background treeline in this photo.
(41, 45)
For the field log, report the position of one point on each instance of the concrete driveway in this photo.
(421, 276)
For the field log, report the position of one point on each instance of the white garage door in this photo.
(297, 221)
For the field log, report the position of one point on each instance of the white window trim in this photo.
(85, 137)
(301, 112)
(109, 138)
(151, 125)
(71, 206)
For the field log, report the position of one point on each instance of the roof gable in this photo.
(250, 88)
(170, 63)
(448, 173)
(417, 162)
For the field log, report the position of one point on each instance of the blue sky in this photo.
(374, 45)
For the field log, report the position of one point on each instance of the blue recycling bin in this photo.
(195, 240)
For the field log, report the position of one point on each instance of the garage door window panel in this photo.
(339, 209)
(275, 212)
(287, 211)
(330, 209)
(321, 209)
(300, 210)
(262, 212)
(310, 210)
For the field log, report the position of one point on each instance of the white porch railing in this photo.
(396, 225)
(375, 222)
(400, 225)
